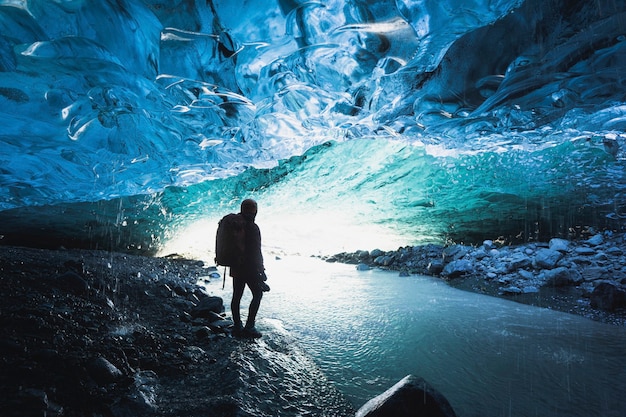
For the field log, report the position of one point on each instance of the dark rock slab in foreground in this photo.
(411, 397)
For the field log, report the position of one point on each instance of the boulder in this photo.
(103, 371)
(596, 240)
(547, 258)
(518, 261)
(560, 245)
(454, 252)
(413, 397)
(457, 268)
(435, 267)
(207, 306)
(593, 273)
(560, 277)
(608, 296)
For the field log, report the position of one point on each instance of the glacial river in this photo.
(489, 357)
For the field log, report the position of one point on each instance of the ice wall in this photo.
(123, 99)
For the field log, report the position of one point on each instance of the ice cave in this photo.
(133, 126)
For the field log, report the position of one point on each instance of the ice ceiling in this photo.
(124, 121)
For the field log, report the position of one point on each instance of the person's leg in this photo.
(257, 295)
(238, 286)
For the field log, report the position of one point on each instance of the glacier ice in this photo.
(445, 119)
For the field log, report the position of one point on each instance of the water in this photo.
(487, 356)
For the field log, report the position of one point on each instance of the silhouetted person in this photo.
(250, 272)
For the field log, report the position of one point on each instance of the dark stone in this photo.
(608, 296)
(203, 332)
(103, 371)
(207, 306)
(411, 397)
(454, 252)
(71, 282)
(562, 276)
(458, 268)
(435, 267)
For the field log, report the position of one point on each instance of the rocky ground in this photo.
(585, 276)
(91, 333)
(99, 334)
(94, 333)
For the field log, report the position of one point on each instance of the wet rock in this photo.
(362, 267)
(435, 267)
(71, 282)
(583, 250)
(547, 258)
(203, 332)
(458, 268)
(519, 261)
(411, 397)
(103, 371)
(595, 240)
(454, 252)
(608, 296)
(512, 290)
(593, 273)
(220, 326)
(207, 306)
(384, 260)
(560, 245)
(562, 276)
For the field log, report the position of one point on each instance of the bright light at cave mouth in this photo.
(323, 233)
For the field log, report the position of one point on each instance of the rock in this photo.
(454, 252)
(547, 258)
(208, 305)
(363, 267)
(560, 277)
(413, 397)
(593, 273)
(103, 371)
(512, 290)
(384, 260)
(608, 296)
(457, 268)
(560, 245)
(212, 316)
(203, 332)
(435, 267)
(583, 250)
(614, 251)
(71, 282)
(488, 245)
(527, 275)
(518, 261)
(595, 240)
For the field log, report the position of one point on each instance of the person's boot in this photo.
(237, 330)
(251, 331)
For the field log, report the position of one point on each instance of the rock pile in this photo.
(93, 333)
(587, 276)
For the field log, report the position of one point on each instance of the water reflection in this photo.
(489, 357)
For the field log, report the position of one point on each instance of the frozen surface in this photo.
(426, 120)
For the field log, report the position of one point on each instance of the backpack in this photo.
(230, 240)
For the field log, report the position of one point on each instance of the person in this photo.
(251, 272)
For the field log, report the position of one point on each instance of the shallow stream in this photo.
(488, 356)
